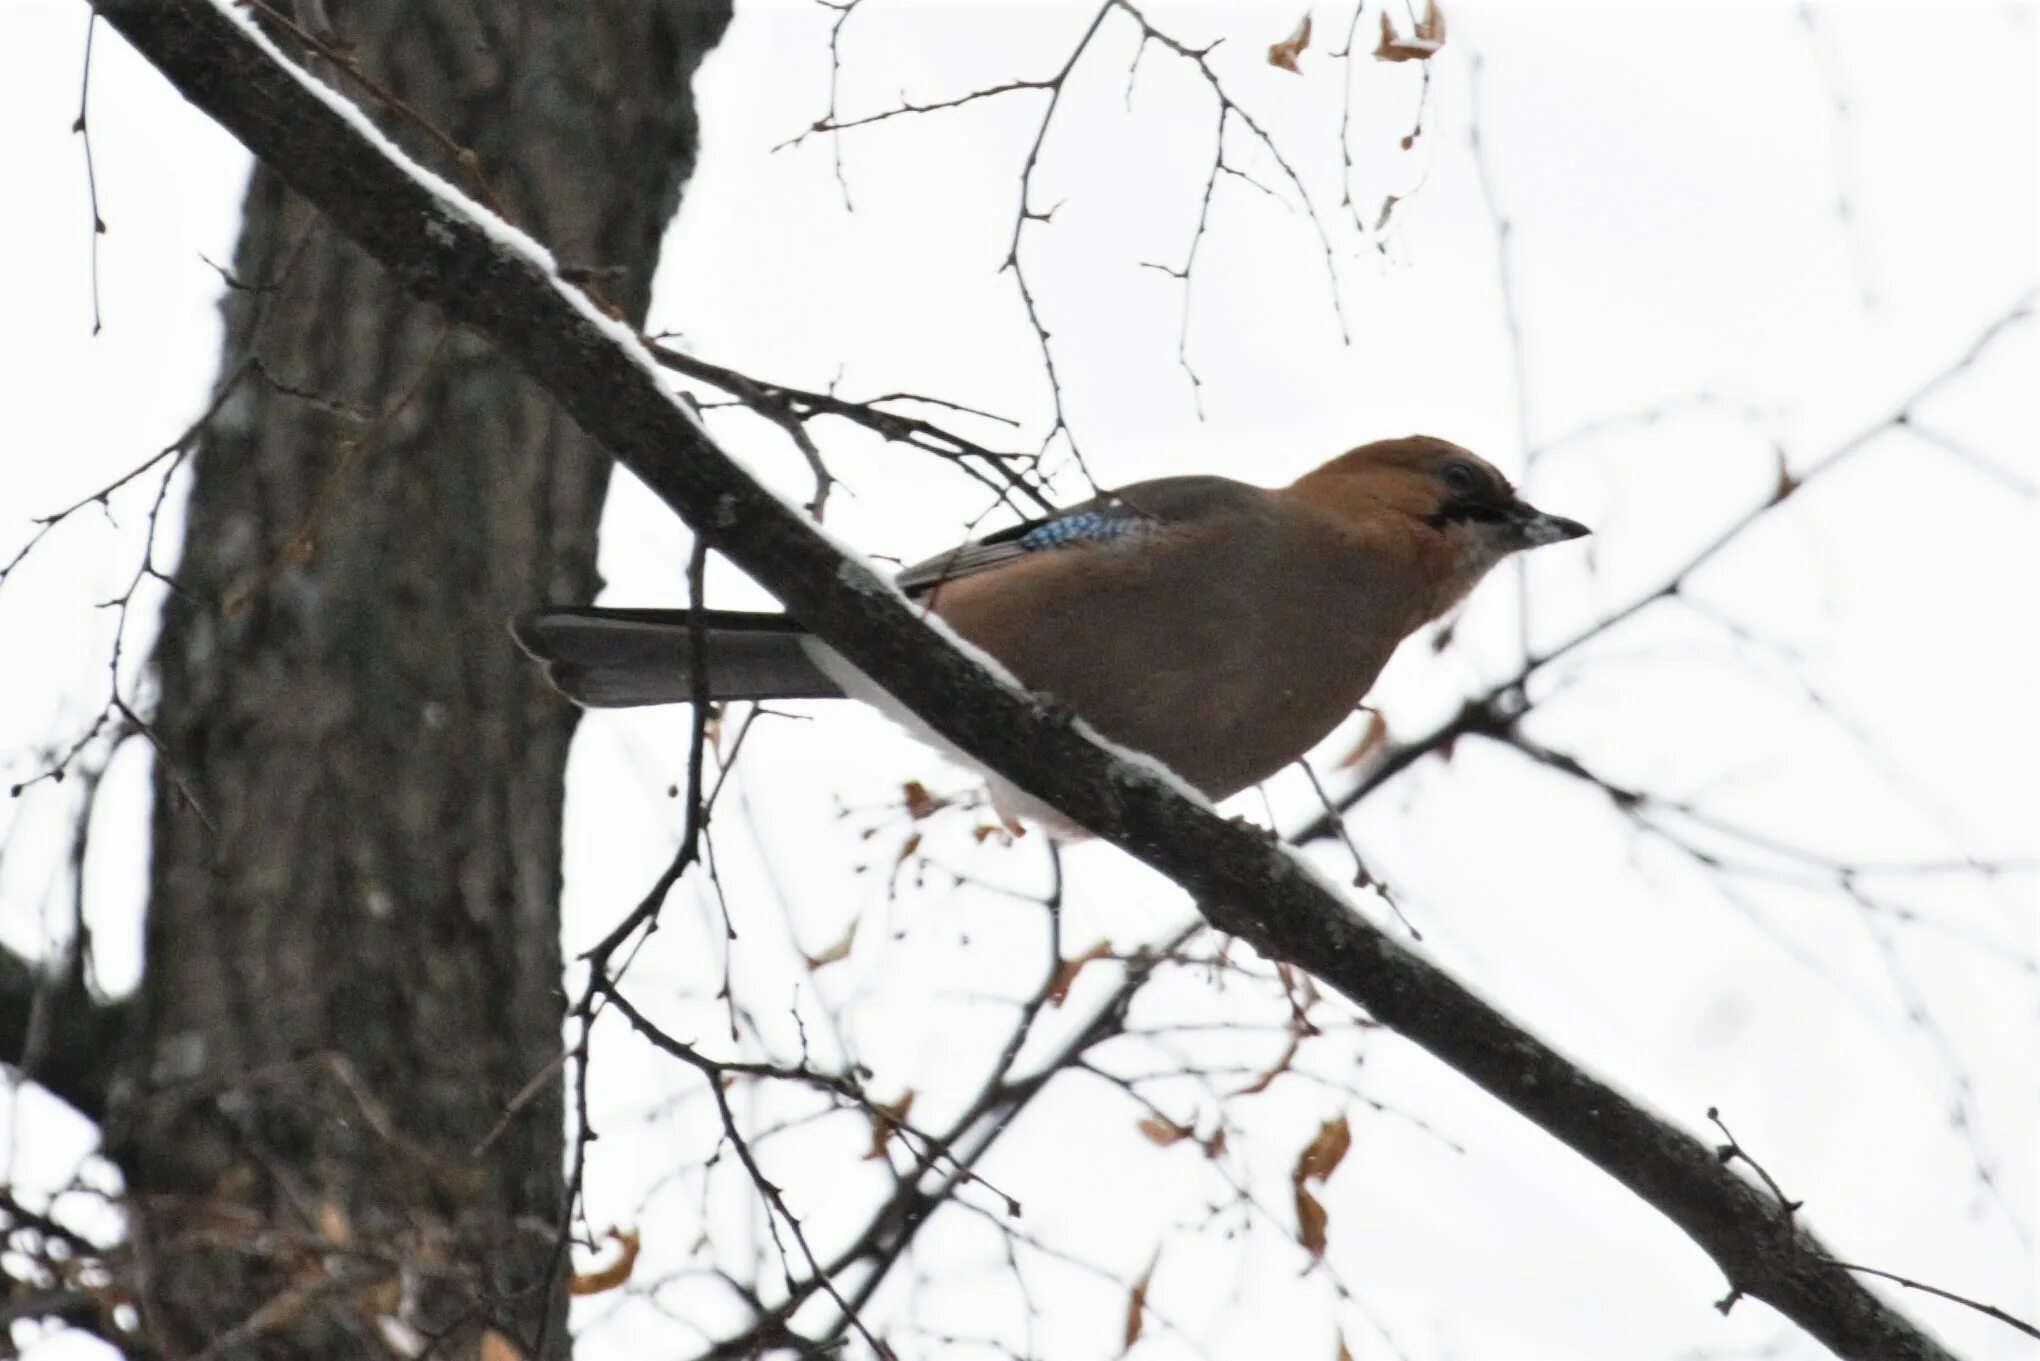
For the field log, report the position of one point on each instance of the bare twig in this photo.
(1988, 1310)
(84, 132)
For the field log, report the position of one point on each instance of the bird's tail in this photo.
(610, 659)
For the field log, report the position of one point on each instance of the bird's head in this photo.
(1450, 498)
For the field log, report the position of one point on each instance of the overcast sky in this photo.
(1674, 181)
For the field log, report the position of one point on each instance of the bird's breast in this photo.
(1225, 654)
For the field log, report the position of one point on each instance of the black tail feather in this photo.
(618, 658)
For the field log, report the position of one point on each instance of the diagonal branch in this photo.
(504, 286)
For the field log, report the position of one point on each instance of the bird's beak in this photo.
(1536, 528)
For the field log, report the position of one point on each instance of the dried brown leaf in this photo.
(611, 1276)
(1136, 1303)
(907, 848)
(920, 803)
(1421, 45)
(1164, 1131)
(1317, 1161)
(1322, 1155)
(1285, 53)
(1431, 28)
(886, 1119)
(1311, 1222)
(1067, 971)
(836, 953)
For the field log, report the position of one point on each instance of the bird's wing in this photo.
(1125, 513)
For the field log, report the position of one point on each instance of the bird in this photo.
(1220, 627)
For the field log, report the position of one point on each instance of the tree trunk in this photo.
(353, 943)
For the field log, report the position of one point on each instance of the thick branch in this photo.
(504, 287)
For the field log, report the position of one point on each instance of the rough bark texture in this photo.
(357, 968)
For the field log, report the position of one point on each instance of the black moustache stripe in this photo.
(1477, 512)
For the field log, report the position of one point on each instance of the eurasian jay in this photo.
(1220, 627)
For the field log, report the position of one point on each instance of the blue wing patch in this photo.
(1108, 518)
(1089, 526)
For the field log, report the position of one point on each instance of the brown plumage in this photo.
(1220, 627)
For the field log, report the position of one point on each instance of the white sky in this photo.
(1671, 176)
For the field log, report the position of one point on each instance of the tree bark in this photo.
(353, 943)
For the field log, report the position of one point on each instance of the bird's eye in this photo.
(1462, 477)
